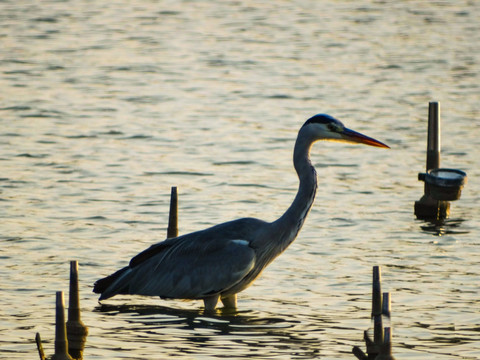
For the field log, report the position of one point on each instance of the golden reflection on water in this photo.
(105, 106)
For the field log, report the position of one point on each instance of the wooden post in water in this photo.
(380, 348)
(76, 329)
(172, 230)
(373, 347)
(386, 348)
(377, 306)
(38, 340)
(386, 305)
(61, 343)
(385, 352)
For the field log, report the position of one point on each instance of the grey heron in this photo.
(219, 262)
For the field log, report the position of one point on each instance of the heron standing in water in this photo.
(219, 262)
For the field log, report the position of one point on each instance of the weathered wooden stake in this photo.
(377, 307)
(376, 291)
(76, 329)
(359, 354)
(61, 343)
(380, 347)
(386, 348)
(172, 230)
(38, 340)
(386, 305)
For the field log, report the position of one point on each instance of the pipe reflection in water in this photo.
(442, 227)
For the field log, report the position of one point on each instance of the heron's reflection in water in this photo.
(241, 333)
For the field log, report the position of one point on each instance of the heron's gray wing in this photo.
(151, 251)
(192, 269)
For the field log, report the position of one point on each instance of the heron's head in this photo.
(326, 127)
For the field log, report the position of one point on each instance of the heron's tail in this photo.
(117, 283)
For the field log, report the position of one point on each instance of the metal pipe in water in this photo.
(433, 142)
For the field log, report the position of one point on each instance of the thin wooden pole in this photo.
(380, 348)
(172, 230)
(76, 329)
(386, 305)
(376, 291)
(38, 340)
(377, 306)
(386, 348)
(388, 337)
(359, 354)
(61, 343)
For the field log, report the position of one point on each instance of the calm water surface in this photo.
(106, 105)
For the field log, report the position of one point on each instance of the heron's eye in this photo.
(334, 127)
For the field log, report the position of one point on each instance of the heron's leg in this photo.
(211, 302)
(230, 302)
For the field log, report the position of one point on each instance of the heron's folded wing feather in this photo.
(150, 252)
(193, 270)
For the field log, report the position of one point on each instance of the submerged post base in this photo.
(429, 208)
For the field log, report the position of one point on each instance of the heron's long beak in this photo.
(353, 136)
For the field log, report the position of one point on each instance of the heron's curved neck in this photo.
(290, 223)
